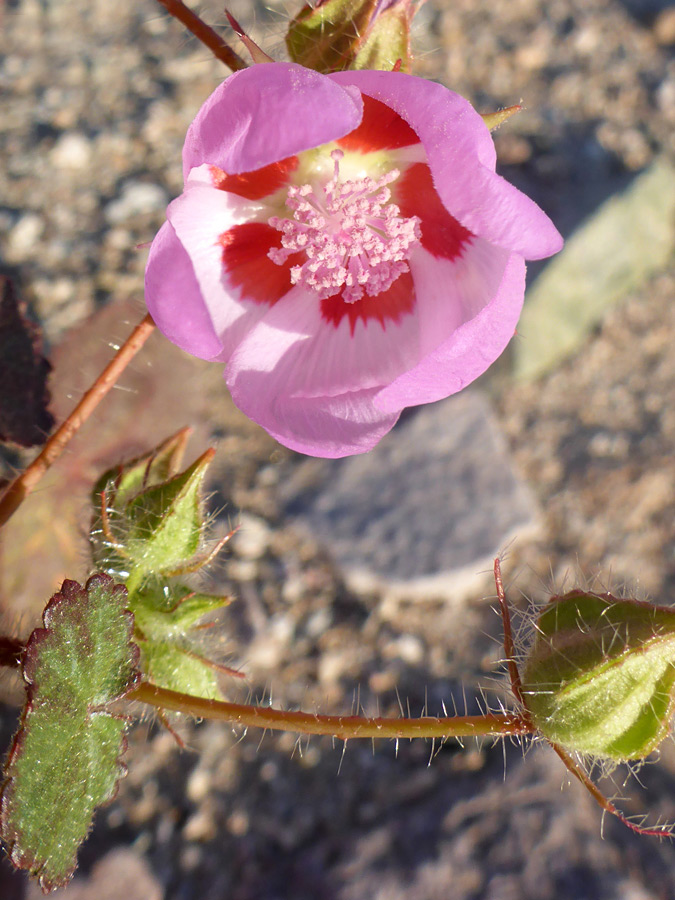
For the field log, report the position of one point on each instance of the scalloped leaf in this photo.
(65, 758)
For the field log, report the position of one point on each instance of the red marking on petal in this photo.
(245, 249)
(380, 129)
(257, 184)
(390, 305)
(415, 194)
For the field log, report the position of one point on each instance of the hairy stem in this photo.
(204, 33)
(19, 489)
(342, 727)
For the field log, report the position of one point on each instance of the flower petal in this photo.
(415, 194)
(380, 129)
(462, 160)
(470, 349)
(200, 217)
(174, 299)
(311, 384)
(315, 358)
(266, 113)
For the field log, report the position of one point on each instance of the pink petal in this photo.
(200, 216)
(388, 306)
(311, 384)
(257, 184)
(248, 267)
(415, 195)
(174, 300)
(462, 160)
(471, 348)
(314, 358)
(266, 113)
(380, 129)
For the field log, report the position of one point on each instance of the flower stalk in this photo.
(342, 727)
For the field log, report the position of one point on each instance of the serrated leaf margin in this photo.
(71, 592)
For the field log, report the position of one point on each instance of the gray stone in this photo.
(425, 511)
(624, 243)
(137, 198)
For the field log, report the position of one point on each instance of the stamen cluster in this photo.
(355, 239)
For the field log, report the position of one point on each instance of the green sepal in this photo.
(65, 758)
(600, 675)
(349, 34)
(164, 523)
(495, 119)
(173, 666)
(386, 44)
(170, 655)
(116, 487)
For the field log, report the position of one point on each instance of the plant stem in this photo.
(204, 33)
(342, 727)
(19, 489)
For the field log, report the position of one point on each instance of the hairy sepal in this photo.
(600, 676)
(166, 623)
(351, 34)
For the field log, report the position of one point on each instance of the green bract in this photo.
(147, 529)
(600, 676)
(65, 759)
(170, 653)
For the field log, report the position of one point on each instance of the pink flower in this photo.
(344, 246)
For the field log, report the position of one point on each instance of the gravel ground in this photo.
(96, 101)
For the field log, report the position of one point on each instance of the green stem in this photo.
(342, 727)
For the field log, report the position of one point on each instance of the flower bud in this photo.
(352, 34)
(599, 677)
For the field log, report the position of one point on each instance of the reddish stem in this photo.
(342, 727)
(204, 33)
(514, 674)
(659, 831)
(19, 489)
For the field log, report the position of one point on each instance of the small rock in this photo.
(425, 511)
(71, 151)
(664, 27)
(252, 537)
(138, 198)
(24, 237)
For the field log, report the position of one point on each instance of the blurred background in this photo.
(364, 584)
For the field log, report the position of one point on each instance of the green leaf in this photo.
(600, 675)
(170, 665)
(65, 759)
(631, 237)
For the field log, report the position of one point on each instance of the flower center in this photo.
(354, 238)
